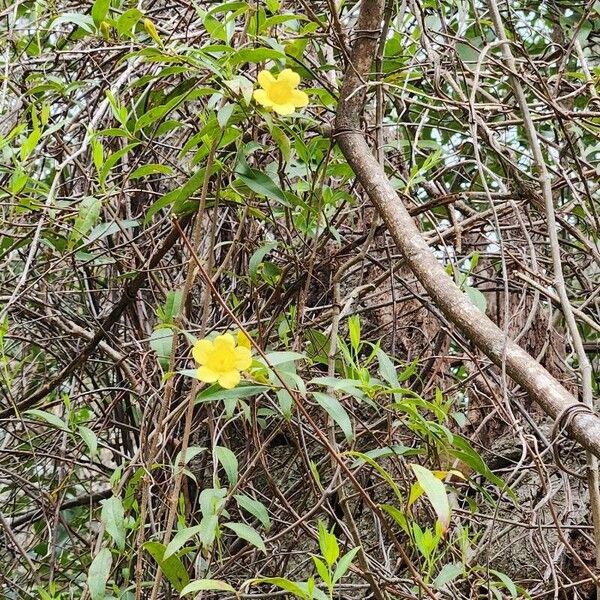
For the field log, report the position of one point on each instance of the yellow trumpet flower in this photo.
(221, 360)
(280, 93)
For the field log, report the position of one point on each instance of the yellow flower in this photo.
(244, 340)
(280, 93)
(221, 360)
(151, 31)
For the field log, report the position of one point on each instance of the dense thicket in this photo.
(150, 199)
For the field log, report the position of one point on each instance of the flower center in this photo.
(221, 362)
(280, 92)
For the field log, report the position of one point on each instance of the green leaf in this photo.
(212, 500)
(467, 53)
(172, 306)
(328, 545)
(409, 370)
(208, 530)
(344, 564)
(384, 474)
(172, 567)
(18, 180)
(84, 21)
(322, 570)
(397, 515)
(277, 358)
(177, 196)
(255, 55)
(48, 417)
(224, 114)
(164, 201)
(258, 182)
(255, 508)
(336, 411)
(151, 169)
(29, 144)
(348, 386)
(161, 341)
(100, 10)
(98, 574)
(435, 490)
(257, 257)
(282, 141)
(507, 582)
(191, 452)
(354, 331)
(97, 153)
(180, 538)
(248, 533)
(128, 20)
(311, 592)
(158, 112)
(240, 85)
(87, 217)
(113, 518)
(105, 229)
(476, 297)
(273, 6)
(387, 369)
(463, 450)
(215, 392)
(284, 584)
(449, 572)
(202, 585)
(90, 439)
(112, 160)
(394, 450)
(229, 462)
(226, 7)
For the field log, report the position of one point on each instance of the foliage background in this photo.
(136, 169)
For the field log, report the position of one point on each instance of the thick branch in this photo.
(475, 325)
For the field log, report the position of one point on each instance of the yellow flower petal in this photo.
(280, 93)
(222, 360)
(265, 79)
(243, 340)
(284, 109)
(243, 358)
(207, 375)
(224, 343)
(299, 98)
(229, 379)
(290, 77)
(201, 351)
(262, 97)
